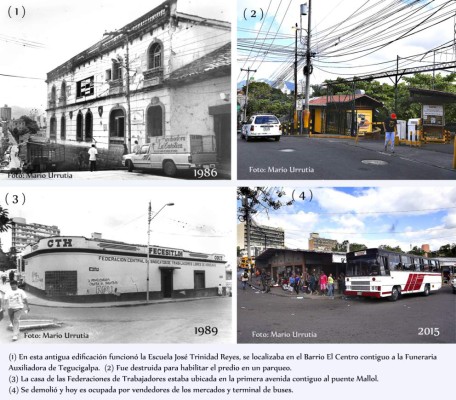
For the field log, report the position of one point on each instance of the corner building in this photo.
(74, 268)
(173, 68)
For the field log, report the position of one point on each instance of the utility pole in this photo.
(247, 92)
(127, 83)
(396, 81)
(295, 119)
(307, 72)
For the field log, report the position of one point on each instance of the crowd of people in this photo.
(314, 283)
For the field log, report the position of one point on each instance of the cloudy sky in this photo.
(193, 223)
(61, 29)
(373, 216)
(339, 48)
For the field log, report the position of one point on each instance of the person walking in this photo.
(93, 158)
(341, 283)
(15, 300)
(297, 283)
(244, 279)
(312, 283)
(389, 125)
(331, 286)
(323, 282)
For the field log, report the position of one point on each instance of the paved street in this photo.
(318, 319)
(171, 322)
(323, 158)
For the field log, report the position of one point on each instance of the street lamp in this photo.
(150, 218)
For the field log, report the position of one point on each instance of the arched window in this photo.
(53, 128)
(89, 126)
(63, 93)
(53, 97)
(155, 56)
(63, 127)
(155, 121)
(79, 119)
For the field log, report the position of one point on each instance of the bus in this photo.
(247, 263)
(382, 273)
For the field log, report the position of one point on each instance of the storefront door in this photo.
(167, 283)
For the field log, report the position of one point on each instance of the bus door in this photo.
(384, 267)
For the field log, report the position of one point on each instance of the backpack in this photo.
(246, 275)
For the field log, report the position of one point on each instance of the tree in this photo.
(417, 251)
(448, 250)
(352, 246)
(30, 125)
(5, 221)
(396, 249)
(266, 99)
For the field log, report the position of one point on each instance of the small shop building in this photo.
(333, 114)
(74, 268)
(282, 263)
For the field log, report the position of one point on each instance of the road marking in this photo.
(374, 162)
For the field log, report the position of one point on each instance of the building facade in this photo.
(74, 268)
(321, 244)
(23, 234)
(282, 263)
(261, 238)
(5, 113)
(163, 74)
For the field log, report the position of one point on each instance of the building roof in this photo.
(272, 251)
(158, 16)
(323, 101)
(215, 64)
(428, 96)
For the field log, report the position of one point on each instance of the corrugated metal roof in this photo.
(219, 59)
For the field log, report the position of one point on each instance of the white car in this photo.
(453, 285)
(263, 125)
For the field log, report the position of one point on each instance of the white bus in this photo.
(382, 273)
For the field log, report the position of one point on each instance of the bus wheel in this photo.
(427, 290)
(394, 294)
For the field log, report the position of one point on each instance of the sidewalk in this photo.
(38, 301)
(278, 291)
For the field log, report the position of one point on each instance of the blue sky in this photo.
(331, 13)
(374, 216)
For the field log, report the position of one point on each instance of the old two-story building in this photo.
(166, 73)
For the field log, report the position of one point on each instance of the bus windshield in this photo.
(366, 265)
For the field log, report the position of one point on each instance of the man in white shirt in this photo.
(15, 299)
(93, 158)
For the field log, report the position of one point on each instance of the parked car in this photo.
(173, 153)
(453, 284)
(263, 125)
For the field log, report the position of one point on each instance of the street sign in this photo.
(299, 104)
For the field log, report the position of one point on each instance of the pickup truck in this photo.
(173, 153)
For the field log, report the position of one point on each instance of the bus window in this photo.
(434, 265)
(416, 264)
(407, 263)
(394, 261)
(421, 264)
(426, 264)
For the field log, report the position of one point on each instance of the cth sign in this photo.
(60, 243)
